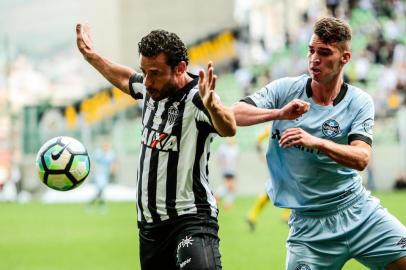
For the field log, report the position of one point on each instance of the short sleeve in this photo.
(136, 86)
(362, 126)
(268, 97)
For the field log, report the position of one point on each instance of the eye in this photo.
(325, 53)
(154, 73)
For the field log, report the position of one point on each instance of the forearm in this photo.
(116, 74)
(352, 156)
(247, 115)
(223, 120)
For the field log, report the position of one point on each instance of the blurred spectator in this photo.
(16, 179)
(105, 169)
(332, 6)
(400, 182)
(244, 78)
(370, 176)
(228, 155)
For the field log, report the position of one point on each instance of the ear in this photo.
(181, 68)
(345, 58)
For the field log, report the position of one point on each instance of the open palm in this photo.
(207, 85)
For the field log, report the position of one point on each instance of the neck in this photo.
(325, 93)
(184, 80)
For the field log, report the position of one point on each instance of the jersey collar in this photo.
(179, 93)
(340, 96)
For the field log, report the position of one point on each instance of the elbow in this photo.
(230, 131)
(233, 130)
(361, 164)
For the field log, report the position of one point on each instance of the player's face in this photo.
(159, 78)
(325, 61)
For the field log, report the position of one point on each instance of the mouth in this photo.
(315, 71)
(152, 92)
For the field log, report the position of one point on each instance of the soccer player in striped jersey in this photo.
(177, 213)
(314, 159)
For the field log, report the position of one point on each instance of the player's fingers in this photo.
(210, 74)
(210, 96)
(290, 143)
(289, 134)
(213, 83)
(78, 29)
(209, 65)
(284, 138)
(202, 76)
(301, 103)
(304, 106)
(290, 140)
(86, 28)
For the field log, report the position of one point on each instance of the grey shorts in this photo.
(362, 230)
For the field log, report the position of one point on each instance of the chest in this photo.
(333, 123)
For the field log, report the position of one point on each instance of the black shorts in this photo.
(187, 244)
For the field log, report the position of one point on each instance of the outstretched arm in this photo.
(247, 115)
(116, 74)
(221, 116)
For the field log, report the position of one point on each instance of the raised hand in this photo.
(293, 109)
(84, 40)
(207, 87)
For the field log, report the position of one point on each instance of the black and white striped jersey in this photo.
(173, 162)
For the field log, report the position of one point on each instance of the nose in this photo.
(147, 81)
(314, 59)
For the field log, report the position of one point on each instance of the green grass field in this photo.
(68, 236)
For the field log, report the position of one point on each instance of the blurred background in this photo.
(47, 89)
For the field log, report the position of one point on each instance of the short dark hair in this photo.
(331, 30)
(161, 41)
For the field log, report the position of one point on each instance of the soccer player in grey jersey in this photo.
(177, 213)
(314, 158)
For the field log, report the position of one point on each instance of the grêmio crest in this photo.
(331, 128)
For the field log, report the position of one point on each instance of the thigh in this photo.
(381, 241)
(315, 243)
(157, 251)
(315, 256)
(198, 251)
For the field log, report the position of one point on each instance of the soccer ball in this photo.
(63, 163)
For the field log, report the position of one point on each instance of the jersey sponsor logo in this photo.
(302, 266)
(183, 264)
(368, 125)
(276, 134)
(331, 128)
(402, 242)
(159, 140)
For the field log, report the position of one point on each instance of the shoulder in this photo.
(358, 95)
(289, 83)
(195, 98)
